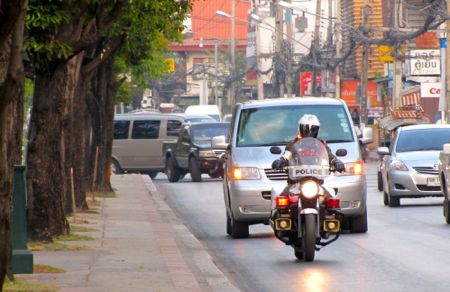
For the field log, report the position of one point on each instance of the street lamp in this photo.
(232, 49)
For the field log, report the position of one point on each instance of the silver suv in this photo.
(256, 127)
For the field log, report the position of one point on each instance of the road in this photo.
(406, 248)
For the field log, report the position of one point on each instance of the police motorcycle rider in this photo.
(308, 126)
(306, 221)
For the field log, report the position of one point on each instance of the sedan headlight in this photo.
(398, 165)
(205, 153)
(241, 173)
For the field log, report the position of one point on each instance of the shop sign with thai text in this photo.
(425, 62)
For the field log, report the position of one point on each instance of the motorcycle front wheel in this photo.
(309, 237)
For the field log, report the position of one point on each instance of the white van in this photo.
(138, 140)
(210, 110)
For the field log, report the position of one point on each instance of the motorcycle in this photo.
(306, 215)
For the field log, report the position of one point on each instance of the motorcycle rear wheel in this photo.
(309, 238)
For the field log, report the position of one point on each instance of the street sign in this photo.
(385, 54)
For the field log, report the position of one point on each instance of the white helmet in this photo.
(308, 126)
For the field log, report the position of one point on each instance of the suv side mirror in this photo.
(446, 149)
(383, 151)
(219, 142)
(367, 135)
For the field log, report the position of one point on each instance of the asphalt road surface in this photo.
(406, 248)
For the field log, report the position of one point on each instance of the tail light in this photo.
(282, 201)
(333, 203)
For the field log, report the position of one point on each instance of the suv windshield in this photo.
(422, 140)
(202, 134)
(279, 125)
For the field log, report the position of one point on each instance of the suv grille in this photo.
(426, 169)
(275, 174)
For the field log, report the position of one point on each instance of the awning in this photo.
(389, 123)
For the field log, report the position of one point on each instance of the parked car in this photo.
(210, 110)
(388, 126)
(258, 126)
(193, 152)
(409, 167)
(138, 140)
(444, 178)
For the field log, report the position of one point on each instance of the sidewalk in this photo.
(139, 245)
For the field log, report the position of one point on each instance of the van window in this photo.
(145, 129)
(173, 127)
(279, 125)
(121, 129)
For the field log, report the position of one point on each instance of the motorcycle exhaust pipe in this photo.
(331, 225)
(283, 224)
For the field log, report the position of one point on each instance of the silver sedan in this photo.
(409, 167)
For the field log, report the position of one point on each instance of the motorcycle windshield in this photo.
(309, 158)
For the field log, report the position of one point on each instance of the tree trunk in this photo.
(102, 124)
(72, 142)
(45, 160)
(11, 91)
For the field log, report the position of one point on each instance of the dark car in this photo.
(193, 152)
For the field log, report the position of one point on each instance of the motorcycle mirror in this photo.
(275, 150)
(341, 152)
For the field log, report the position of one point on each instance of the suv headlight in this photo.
(241, 173)
(205, 153)
(398, 165)
(352, 168)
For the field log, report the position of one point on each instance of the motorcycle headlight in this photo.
(205, 153)
(398, 165)
(310, 189)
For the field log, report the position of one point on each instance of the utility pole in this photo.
(447, 68)
(278, 41)
(315, 45)
(338, 49)
(232, 97)
(290, 56)
(365, 62)
(259, 80)
(216, 71)
(397, 84)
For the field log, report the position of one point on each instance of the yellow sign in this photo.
(385, 53)
(170, 64)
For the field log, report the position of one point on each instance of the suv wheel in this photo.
(152, 174)
(359, 224)
(172, 172)
(238, 229)
(194, 169)
(115, 167)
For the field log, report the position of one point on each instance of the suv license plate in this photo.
(433, 181)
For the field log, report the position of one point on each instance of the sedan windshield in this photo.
(279, 125)
(422, 139)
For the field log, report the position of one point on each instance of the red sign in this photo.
(305, 82)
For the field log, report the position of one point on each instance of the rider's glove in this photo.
(278, 164)
(340, 167)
